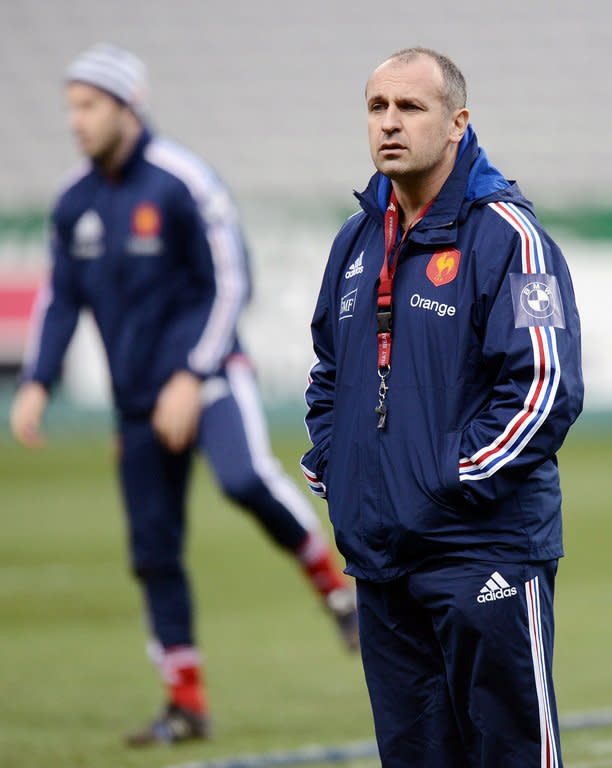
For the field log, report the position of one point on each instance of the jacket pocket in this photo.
(434, 472)
(341, 472)
(449, 484)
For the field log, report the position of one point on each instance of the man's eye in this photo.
(377, 107)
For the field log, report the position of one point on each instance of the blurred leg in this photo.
(233, 433)
(154, 485)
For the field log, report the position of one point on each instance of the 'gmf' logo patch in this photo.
(536, 300)
(347, 304)
(443, 266)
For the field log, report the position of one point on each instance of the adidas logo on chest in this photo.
(496, 588)
(356, 267)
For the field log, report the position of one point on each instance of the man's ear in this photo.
(459, 124)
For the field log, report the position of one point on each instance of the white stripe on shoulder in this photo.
(205, 186)
(520, 214)
(532, 252)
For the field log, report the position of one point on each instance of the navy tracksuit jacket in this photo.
(485, 381)
(135, 252)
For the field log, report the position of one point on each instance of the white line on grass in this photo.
(367, 749)
(575, 721)
(312, 754)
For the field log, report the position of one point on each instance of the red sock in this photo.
(183, 676)
(318, 562)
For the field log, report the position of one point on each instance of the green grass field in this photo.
(73, 676)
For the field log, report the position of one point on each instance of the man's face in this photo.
(95, 118)
(410, 129)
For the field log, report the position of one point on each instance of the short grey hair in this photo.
(454, 92)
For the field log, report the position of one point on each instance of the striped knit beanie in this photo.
(115, 71)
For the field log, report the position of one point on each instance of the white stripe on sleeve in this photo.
(225, 242)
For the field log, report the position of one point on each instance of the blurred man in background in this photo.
(447, 376)
(147, 237)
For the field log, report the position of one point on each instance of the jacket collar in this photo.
(132, 160)
(137, 152)
(472, 178)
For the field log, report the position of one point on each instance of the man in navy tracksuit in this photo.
(447, 374)
(147, 237)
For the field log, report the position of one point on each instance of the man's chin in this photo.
(96, 155)
(393, 169)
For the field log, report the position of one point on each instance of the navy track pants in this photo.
(233, 436)
(458, 661)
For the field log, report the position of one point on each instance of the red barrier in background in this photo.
(17, 296)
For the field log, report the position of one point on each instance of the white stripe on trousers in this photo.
(549, 757)
(244, 389)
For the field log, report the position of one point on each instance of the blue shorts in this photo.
(458, 663)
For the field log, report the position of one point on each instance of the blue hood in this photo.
(484, 179)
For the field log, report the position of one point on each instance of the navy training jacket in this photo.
(158, 257)
(485, 381)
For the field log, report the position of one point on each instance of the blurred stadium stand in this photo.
(272, 91)
(271, 94)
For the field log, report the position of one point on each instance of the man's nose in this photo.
(391, 121)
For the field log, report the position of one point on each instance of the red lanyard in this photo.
(385, 283)
(384, 304)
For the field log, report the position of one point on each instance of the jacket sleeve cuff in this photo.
(315, 484)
